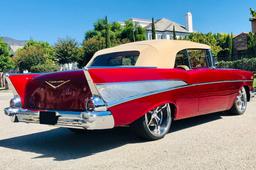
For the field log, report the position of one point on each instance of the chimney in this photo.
(189, 22)
(253, 21)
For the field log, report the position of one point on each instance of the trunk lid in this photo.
(58, 91)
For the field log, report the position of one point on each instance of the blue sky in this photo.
(49, 20)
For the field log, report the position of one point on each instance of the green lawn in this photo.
(254, 83)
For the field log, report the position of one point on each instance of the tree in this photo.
(223, 55)
(36, 56)
(132, 32)
(90, 46)
(140, 33)
(6, 62)
(99, 31)
(118, 34)
(253, 13)
(174, 33)
(67, 51)
(208, 39)
(251, 44)
(47, 66)
(92, 33)
(230, 45)
(107, 36)
(153, 28)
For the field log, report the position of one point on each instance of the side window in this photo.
(124, 58)
(181, 59)
(198, 58)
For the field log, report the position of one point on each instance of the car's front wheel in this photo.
(155, 124)
(240, 104)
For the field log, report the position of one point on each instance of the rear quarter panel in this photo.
(184, 99)
(19, 83)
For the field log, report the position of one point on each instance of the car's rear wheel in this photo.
(155, 124)
(240, 104)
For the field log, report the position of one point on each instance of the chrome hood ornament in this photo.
(57, 84)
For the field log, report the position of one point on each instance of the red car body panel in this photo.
(215, 90)
(208, 90)
(187, 102)
(72, 95)
(20, 82)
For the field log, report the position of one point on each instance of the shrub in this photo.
(48, 66)
(244, 64)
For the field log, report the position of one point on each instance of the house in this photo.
(253, 23)
(240, 45)
(141, 22)
(164, 27)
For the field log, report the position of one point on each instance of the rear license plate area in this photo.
(48, 118)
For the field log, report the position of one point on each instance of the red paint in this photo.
(20, 82)
(189, 101)
(72, 95)
(107, 75)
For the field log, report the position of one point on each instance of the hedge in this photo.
(244, 64)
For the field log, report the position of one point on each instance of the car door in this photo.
(211, 92)
(186, 99)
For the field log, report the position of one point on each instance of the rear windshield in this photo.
(127, 58)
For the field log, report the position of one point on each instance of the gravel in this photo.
(215, 141)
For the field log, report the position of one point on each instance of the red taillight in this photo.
(90, 105)
(96, 103)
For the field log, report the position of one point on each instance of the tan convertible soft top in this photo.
(156, 53)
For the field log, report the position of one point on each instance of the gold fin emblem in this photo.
(56, 84)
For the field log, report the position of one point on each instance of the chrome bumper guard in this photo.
(71, 119)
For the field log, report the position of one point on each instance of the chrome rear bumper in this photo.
(70, 119)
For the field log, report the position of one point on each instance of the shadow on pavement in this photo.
(195, 121)
(62, 144)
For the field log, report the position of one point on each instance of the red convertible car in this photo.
(145, 85)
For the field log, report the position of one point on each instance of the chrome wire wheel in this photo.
(241, 100)
(158, 121)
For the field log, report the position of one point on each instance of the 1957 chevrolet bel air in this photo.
(145, 85)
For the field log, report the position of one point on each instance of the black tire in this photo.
(142, 126)
(240, 104)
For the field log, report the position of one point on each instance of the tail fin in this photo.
(17, 83)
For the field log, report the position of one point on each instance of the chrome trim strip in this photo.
(141, 95)
(94, 91)
(223, 81)
(90, 83)
(71, 119)
(116, 93)
(55, 87)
